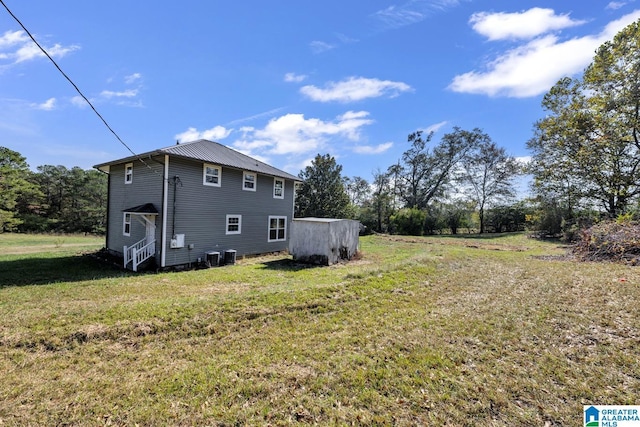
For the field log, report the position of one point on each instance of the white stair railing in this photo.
(139, 253)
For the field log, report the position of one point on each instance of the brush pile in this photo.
(610, 241)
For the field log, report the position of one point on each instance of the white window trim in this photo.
(244, 180)
(275, 196)
(276, 217)
(204, 175)
(239, 224)
(124, 224)
(128, 173)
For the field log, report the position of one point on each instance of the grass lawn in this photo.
(459, 331)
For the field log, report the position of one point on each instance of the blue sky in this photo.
(286, 80)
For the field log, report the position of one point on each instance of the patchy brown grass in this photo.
(419, 331)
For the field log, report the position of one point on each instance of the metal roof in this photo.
(210, 152)
(315, 219)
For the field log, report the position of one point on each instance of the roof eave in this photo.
(104, 167)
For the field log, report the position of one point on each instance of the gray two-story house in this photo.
(182, 203)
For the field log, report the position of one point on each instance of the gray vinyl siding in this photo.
(146, 187)
(201, 211)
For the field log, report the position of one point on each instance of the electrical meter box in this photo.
(177, 241)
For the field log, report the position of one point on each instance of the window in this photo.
(211, 175)
(126, 225)
(278, 188)
(249, 181)
(128, 173)
(277, 228)
(234, 224)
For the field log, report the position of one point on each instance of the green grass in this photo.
(41, 258)
(496, 331)
(11, 242)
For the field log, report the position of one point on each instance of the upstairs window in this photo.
(277, 228)
(211, 175)
(126, 225)
(249, 181)
(234, 224)
(278, 188)
(128, 173)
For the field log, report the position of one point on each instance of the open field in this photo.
(12, 244)
(459, 331)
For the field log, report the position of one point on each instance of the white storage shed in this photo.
(323, 241)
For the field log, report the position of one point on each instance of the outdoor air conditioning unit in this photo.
(213, 258)
(230, 257)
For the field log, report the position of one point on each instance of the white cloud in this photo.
(435, 127)
(126, 97)
(26, 52)
(299, 165)
(30, 51)
(614, 5)
(411, 12)
(132, 78)
(11, 38)
(320, 46)
(17, 47)
(48, 105)
(58, 51)
(396, 17)
(79, 102)
(532, 68)
(351, 122)
(368, 149)
(129, 93)
(263, 159)
(354, 89)
(255, 116)
(295, 78)
(214, 134)
(345, 39)
(295, 134)
(520, 25)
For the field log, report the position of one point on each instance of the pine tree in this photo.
(322, 193)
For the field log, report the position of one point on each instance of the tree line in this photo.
(465, 181)
(53, 199)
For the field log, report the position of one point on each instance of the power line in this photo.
(72, 84)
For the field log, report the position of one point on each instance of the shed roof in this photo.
(314, 219)
(209, 152)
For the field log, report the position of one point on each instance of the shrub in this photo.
(409, 221)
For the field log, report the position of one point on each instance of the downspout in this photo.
(173, 210)
(165, 196)
(106, 227)
(293, 199)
